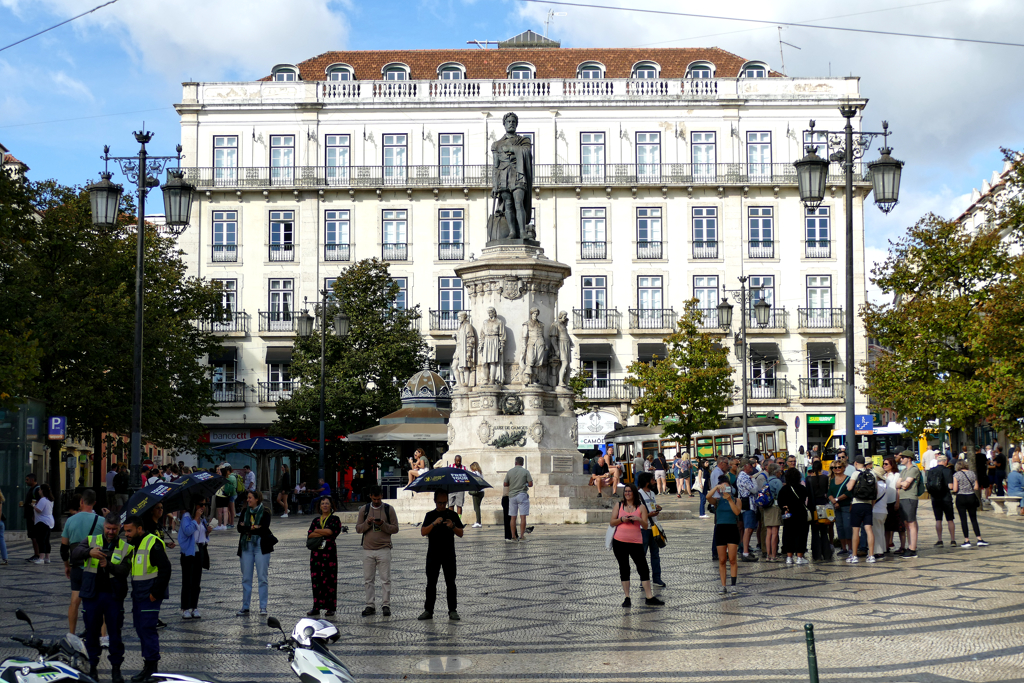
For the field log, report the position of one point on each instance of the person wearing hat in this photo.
(907, 485)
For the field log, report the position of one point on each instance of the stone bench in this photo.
(1005, 504)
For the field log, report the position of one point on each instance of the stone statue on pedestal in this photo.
(535, 349)
(513, 185)
(561, 348)
(464, 359)
(492, 349)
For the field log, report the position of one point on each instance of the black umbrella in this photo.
(175, 495)
(448, 479)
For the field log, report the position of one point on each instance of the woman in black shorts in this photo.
(727, 533)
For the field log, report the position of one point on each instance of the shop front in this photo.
(819, 428)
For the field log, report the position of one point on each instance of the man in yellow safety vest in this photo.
(151, 574)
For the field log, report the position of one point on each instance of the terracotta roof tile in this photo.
(549, 62)
(9, 159)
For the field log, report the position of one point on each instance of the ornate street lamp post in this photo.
(305, 324)
(812, 175)
(104, 197)
(762, 316)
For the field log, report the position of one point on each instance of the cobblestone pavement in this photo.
(549, 610)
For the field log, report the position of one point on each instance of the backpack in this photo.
(764, 498)
(864, 488)
(919, 487)
(936, 485)
(230, 486)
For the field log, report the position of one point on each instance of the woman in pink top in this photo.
(628, 519)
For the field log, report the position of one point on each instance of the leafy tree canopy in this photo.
(694, 383)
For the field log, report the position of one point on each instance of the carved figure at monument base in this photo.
(492, 349)
(464, 359)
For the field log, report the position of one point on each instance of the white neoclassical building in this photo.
(661, 175)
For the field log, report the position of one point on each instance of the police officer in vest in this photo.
(104, 586)
(151, 574)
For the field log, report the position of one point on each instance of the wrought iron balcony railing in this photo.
(594, 250)
(609, 390)
(818, 249)
(761, 249)
(767, 388)
(648, 250)
(282, 252)
(444, 320)
(820, 318)
(225, 253)
(337, 252)
(705, 249)
(652, 318)
(231, 321)
(823, 387)
(395, 251)
(229, 392)
(272, 392)
(451, 251)
(596, 319)
(277, 321)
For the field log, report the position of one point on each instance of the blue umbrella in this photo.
(448, 479)
(261, 447)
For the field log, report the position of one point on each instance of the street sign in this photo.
(56, 428)
(863, 424)
(796, 422)
(821, 419)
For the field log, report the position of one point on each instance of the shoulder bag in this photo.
(610, 533)
(657, 535)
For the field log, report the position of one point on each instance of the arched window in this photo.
(521, 71)
(395, 72)
(340, 72)
(590, 70)
(646, 70)
(451, 72)
(754, 70)
(700, 70)
(285, 72)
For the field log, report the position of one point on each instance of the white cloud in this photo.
(209, 39)
(71, 86)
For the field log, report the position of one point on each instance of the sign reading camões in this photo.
(592, 428)
(821, 419)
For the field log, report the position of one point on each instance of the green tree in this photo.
(73, 289)
(940, 277)
(693, 384)
(364, 370)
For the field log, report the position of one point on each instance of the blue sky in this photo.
(92, 82)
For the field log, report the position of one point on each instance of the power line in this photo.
(68, 21)
(761, 28)
(776, 23)
(82, 118)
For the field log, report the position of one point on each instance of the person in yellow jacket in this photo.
(103, 590)
(151, 574)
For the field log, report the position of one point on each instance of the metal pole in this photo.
(812, 655)
(849, 112)
(323, 364)
(136, 437)
(743, 322)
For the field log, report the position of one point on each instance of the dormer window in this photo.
(590, 70)
(646, 70)
(700, 70)
(285, 72)
(451, 72)
(396, 72)
(754, 70)
(340, 72)
(521, 71)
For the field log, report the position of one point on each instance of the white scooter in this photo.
(62, 659)
(307, 651)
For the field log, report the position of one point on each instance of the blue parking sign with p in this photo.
(56, 427)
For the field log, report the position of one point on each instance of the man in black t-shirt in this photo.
(441, 526)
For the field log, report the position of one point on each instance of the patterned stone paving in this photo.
(548, 610)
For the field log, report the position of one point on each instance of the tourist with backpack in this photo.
(939, 482)
(771, 514)
(865, 493)
(226, 498)
(377, 522)
(911, 487)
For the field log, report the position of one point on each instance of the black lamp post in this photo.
(812, 176)
(305, 324)
(105, 197)
(762, 316)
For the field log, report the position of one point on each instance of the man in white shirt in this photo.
(249, 479)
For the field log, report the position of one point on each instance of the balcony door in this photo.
(281, 304)
(705, 290)
(595, 294)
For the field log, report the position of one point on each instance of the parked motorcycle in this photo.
(61, 659)
(307, 651)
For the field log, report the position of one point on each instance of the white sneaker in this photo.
(871, 559)
(186, 614)
(802, 560)
(195, 614)
(104, 641)
(38, 560)
(789, 560)
(852, 559)
(284, 516)
(477, 525)
(965, 544)
(510, 540)
(705, 516)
